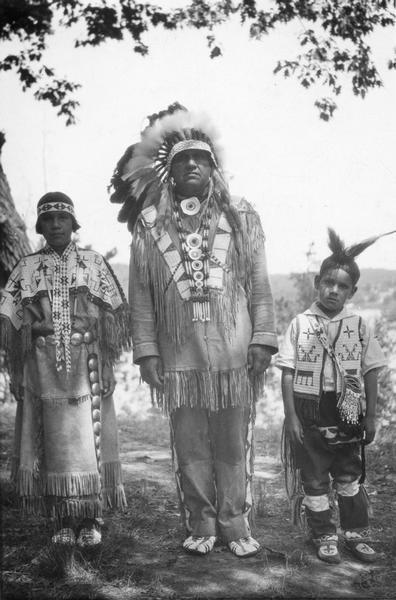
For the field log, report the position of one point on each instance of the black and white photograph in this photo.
(197, 299)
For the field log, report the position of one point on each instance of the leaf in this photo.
(216, 51)
(277, 68)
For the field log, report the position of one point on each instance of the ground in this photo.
(141, 554)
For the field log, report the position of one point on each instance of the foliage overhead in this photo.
(334, 39)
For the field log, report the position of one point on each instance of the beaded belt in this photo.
(76, 339)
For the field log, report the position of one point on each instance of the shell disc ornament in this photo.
(194, 240)
(190, 206)
(195, 253)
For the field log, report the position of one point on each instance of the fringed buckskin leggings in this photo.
(213, 456)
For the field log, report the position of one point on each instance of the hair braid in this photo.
(223, 200)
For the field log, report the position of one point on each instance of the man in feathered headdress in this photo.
(203, 321)
(64, 321)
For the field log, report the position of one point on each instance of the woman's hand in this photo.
(108, 381)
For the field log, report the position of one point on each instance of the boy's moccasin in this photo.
(357, 543)
(327, 549)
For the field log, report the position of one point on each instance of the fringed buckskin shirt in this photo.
(205, 362)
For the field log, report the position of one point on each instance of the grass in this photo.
(141, 557)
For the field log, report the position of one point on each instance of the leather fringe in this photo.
(253, 238)
(205, 389)
(11, 342)
(307, 409)
(71, 484)
(115, 333)
(293, 482)
(74, 494)
(114, 497)
(112, 488)
(54, 484)
(175, 314)
(76, 507)
(32, 505)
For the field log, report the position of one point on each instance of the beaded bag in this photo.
(349, 405)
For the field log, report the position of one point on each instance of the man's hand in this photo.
(151, 371)
(108, 381)
(294, 428)
(258, 359)
(369, 429)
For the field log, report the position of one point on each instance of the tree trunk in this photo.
(14, 242)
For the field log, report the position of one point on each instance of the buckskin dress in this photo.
(66, 459)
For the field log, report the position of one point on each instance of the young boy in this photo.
(311, 387)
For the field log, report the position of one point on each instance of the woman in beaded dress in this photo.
(63, 322)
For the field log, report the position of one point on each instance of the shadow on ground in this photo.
(141, 555)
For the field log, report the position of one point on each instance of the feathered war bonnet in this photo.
(142, 175)
(343, 257)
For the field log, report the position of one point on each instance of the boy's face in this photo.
(334, 288)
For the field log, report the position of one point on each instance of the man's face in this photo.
(57, 228)
(191, 172)
(334, 288)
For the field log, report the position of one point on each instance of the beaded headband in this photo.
(189, 145)
(55, 206)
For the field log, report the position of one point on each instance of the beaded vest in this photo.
(310, 354)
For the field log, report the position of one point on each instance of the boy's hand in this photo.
(294, 429)
(369, 429)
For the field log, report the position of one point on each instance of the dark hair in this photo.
(55, 197)
(343, 257)
(349, 267)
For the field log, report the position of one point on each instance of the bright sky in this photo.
(300, 173)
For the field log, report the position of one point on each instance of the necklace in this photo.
(195, 257)
(60, 297)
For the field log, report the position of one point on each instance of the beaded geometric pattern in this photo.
(55, 206)
(34, 277)
(310, 353)
(172, 257)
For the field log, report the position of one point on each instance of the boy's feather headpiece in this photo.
(343, 256)
(339, 250)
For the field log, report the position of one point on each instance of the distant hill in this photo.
(373, 283)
